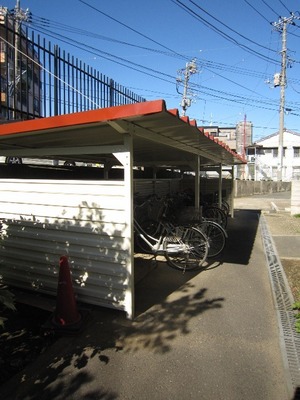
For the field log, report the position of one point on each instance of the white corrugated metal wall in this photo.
(161, 187)
(85, 220)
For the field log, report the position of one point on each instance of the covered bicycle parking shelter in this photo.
(87, 213)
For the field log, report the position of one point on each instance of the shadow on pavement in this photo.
(297, 394)
(164, 322)
(78, 363)
(158, 284)
(242, 230)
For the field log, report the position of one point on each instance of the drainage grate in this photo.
(290, 339)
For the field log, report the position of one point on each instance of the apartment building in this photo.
(20, 72)
(263, 160)
(238, 138)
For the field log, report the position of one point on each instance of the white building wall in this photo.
(266, 164)
(295, 198)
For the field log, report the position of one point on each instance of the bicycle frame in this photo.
(157, 246)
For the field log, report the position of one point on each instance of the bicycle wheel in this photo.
(186, 249)
(215, 214)
(216, 236)
(224, 207)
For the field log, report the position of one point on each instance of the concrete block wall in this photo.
(295, 198)
(243, 188)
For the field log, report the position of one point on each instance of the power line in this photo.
(228, 27)
(251, 5)
(130, 28)
(110, 57)
(284, 6)
(228, 97)
(223, 34)
(45, 23)
(236, 70)
(272, 9)
(231, 81)
(121, 61)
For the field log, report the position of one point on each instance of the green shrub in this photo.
(296, 305)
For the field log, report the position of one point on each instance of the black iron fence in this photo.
(39, 79)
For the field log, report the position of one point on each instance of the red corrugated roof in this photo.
(148, 121)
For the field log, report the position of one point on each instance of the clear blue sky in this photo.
(143, 44)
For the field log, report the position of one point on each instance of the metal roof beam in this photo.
(169, 141)
(120, 126)
(63, 151)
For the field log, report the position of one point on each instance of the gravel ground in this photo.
(284, 224)
(280, 223)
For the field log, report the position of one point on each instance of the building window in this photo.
(274, 152)
(296, 152)
(36, 105)
(296, 173)
(2, 52)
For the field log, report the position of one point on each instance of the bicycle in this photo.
(216, 214)
(215, 233)
(168, 206)
(184, 247)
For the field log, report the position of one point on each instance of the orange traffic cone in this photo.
(66, 315)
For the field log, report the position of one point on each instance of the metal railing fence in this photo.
(39, 79)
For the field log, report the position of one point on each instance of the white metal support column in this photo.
(232, 193)
(220, 185)
(197, 183)
(126, 158)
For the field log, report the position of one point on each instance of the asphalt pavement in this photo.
(209, 334)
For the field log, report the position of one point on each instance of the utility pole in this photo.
(190, 68)
(281, 26)
(244, 145)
